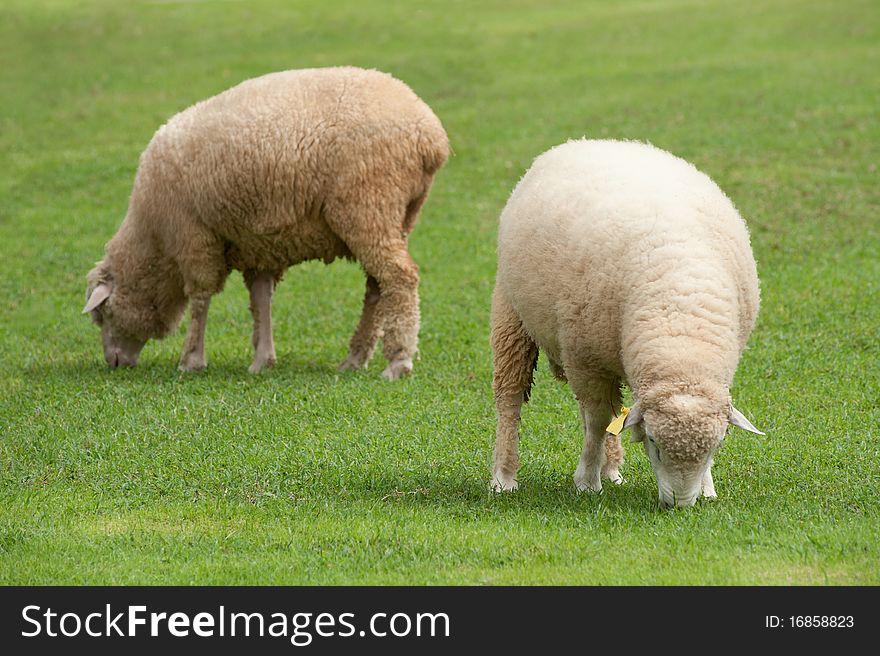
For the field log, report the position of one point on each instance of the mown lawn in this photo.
(305, 476)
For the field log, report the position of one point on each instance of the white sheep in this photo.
(287, 167)
(623, 262)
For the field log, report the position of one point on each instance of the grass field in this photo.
(303, 475)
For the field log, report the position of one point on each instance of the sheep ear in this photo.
(738, 419)
(99, 295)
(634, 416)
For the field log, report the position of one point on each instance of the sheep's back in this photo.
(605, 241)
(257, 163)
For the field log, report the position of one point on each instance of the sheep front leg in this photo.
(614, 454)
(193, 356)
(368, 332)
(707, 485)
(599, 456)
(514, 356)
(261, 285)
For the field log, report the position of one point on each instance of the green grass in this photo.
(302, 475)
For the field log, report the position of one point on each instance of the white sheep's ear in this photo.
(99, 295)
(634, 416)
(738, 419)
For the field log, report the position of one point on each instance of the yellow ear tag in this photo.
(617, 425)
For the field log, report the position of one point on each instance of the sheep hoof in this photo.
(190, 364)
(261, 363)
(398, 369)
(614, 476)
(501, 483)
(353, 361)
(587, 478)
(583, 483)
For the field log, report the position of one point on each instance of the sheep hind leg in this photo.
(600, 456)
(261, 285)
(373, 232)
(368, 332)
(193, 356)
(514, 357)
(397, 309)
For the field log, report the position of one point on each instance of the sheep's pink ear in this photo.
(634, 416)
(738, 419)
(99, 295)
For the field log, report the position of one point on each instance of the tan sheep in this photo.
(624, 263)
(287, 167)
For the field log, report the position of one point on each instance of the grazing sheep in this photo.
(287, 167)
(623, 262)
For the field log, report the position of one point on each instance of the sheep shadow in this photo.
(158, 370)
(549, 494)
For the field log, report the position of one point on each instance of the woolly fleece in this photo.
(622, 262)
(287, 167)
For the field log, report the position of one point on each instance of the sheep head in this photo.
(681, 431)
(122, 346)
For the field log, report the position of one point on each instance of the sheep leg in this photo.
(375, 234)
(261, 284)
(514, 356)
(557, 370)
(368, 332)
(397, 310)
(707, 485)
(193, 356)
(600, 455)
(614, 454)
